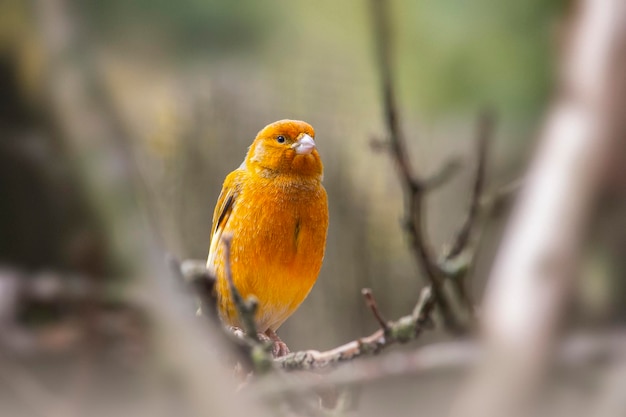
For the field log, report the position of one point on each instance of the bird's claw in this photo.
(279, 348)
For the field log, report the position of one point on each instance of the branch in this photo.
(252, 347)
(403, 330)
(446, 172)
(460, 257)
(492, 204)
(574, 351)
(371, 303)
(414, 187)
(483, 138)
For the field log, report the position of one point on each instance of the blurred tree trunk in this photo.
(534, 271)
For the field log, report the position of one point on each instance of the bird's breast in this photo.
(279, 236)
(287, 223)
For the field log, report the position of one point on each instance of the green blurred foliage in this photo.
(453, 55)
(462, 54)
(189, 26)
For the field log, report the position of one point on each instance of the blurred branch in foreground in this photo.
(445, 356)
(539, 257)
(180, 364)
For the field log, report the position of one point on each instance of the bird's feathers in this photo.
(223, 209)
(275, 208)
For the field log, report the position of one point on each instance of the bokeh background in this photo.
(193, 81)
(179, 90)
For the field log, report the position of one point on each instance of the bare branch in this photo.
(460, 257)
(574, 351)
(445, 173)
(483, 137)
(493, 203)
(414, 188)
(403, 330)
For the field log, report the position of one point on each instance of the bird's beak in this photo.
(304, 145)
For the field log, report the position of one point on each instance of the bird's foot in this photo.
(279, 348)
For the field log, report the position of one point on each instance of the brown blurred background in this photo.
(180, 89)
(192, 83)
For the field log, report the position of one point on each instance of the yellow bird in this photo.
(275, 208)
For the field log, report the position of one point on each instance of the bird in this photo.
(274, 209)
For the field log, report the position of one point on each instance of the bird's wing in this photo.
(223, 210)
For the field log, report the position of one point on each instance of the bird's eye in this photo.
(280, 139)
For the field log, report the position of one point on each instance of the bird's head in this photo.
(286, 147)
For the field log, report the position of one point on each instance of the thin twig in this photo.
(445, 173)
(371, 303)
(483, 137)
(491, 205)
(462, 252)
(421, 311)
(501, 197)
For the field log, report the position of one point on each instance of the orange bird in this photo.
(275, 208)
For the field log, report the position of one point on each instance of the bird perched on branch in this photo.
(275, 208)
